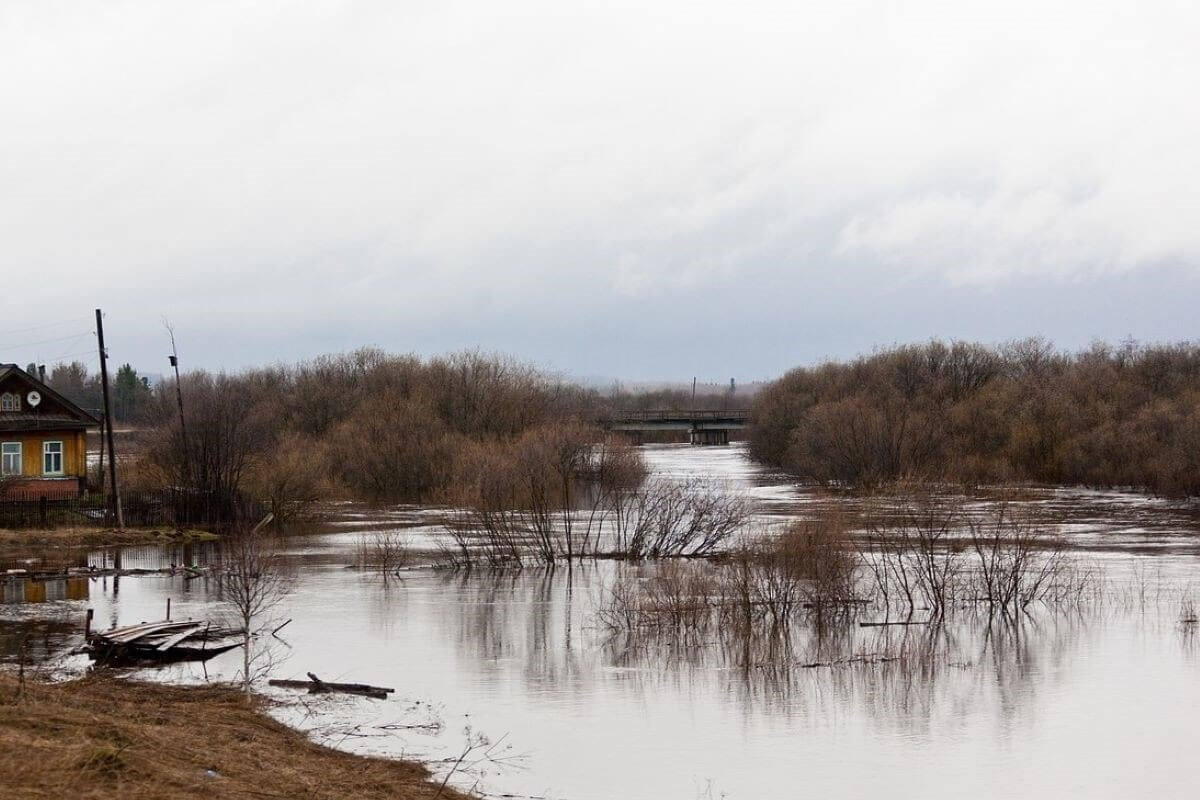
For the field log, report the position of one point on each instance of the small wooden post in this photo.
(87, 625)
(168, 609)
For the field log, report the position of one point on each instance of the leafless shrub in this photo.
(613, 467)
(388, 551)
(912, 551)
(479, 755)
(665, 518)
(545, 496)
(1017, 563)
(810, 564)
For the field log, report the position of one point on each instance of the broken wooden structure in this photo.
(161, 642)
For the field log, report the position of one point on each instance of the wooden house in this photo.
(43, 439)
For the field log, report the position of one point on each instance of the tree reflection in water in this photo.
(914, 675)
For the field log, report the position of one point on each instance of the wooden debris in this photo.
(188, 640)
(188, 573)
(315, 685)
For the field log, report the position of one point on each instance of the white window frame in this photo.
(7, 451)
(10, 402)
(47, 453)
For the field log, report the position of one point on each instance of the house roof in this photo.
(59, 414)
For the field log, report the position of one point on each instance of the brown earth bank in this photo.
(73, 538)
(107, 737)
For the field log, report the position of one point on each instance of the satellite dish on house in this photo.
(34, 399)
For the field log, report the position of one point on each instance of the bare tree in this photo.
(253, 580)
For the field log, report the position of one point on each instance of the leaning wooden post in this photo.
(112, 453)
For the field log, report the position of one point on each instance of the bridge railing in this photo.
(672, 415)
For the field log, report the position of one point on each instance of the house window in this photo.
(52, 458)
(10, 458)
(10, 402)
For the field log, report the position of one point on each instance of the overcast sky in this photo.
(630, 189)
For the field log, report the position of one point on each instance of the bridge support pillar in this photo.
(710, 437)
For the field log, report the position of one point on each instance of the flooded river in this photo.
(1087, 702)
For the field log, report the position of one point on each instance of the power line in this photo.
(55, 324)
(59, 358)
(70, 337)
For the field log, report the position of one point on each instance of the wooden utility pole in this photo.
(112, 453)
(100, 477)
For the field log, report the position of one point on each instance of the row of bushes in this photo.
(1026, 412)
(916, 553)
(366, 425)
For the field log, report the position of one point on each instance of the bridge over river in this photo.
(703, 427)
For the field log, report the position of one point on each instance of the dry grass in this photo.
(93, 537)
(103, 737)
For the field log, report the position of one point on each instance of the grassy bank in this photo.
(73, 538)
(104, 737)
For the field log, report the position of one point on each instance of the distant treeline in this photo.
(363, 425)
(380, 427)
(1109, 416)
(131, 394)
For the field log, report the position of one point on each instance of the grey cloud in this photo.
(609, 188)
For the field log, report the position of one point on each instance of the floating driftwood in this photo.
(315, 685)
(893, 622)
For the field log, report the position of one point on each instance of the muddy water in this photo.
(1097, 702)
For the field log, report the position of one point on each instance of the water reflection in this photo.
(32, 640)
(1093, 701)
(43, 591)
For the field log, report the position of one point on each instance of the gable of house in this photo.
(53, 412)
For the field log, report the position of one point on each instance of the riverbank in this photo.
(74, 538)
(106, 737)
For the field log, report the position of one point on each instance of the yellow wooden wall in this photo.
(74, 451)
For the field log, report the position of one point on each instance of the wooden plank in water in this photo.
(126, 629)
(135, 632)
(179, 637)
